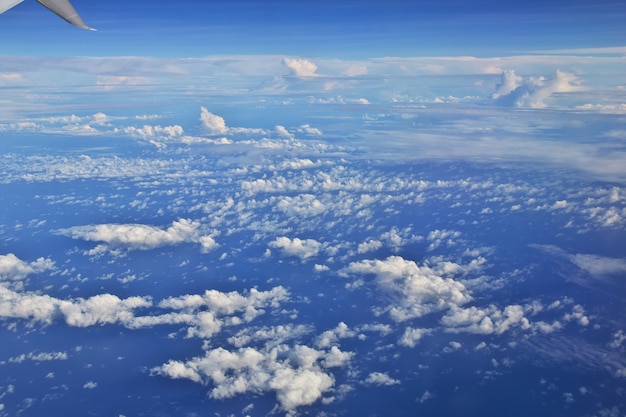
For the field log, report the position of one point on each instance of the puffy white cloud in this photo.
(141, 236)
(533, 91)
(618, 339)
(272, 335)
(412, 336)
(154, 132)
(380, 378)
(301, 205)
(216, 125)
(206, 314)
(508, 83)
(300, 248)
(369, 246)
(331, 337)
(490, 319)
(295, 374)
(300, 67)
(415, 290)
(29, 306)
(307, 129)
(101, 309)
(13, 268)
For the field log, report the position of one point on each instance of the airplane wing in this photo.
(7, 4)
(65, 10)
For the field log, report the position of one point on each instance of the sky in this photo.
(313, 208)
(345, 29)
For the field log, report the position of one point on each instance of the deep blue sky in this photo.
(346, 28)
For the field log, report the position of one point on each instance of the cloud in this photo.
(415, 290)
(40, 357)
(380, 378)
(101, 309)
(215, 125)
(13, 268)
(300, 67)
(297, 247)
(412, 336)
(508, 83)
(296, 374)
(154, 132)
(533, 91)
(598, 267)
(10, 78)
(141, 236)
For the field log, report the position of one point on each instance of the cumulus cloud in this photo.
(296, 374)
(141, 236)
(101, 309)
(202, 315)
(485, 320)
(300, 248)
(215, 125)
(415, 290)
(508, 83)
(533, 91)
(412, 336)
(380, 378)
(300, 67)
(154, 132)
(13, 268)
(300, 206)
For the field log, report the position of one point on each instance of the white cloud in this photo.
(300, 248)
(215, 125)
(416, 290)
(40, 357)
(300, 206)
(534, 91)
(101, 309)
(380, 378)
(154, 132)
(300, 67)
(509, 83)
(90, 385)
(369, 246)
(331, 337)
(412, 336)
(307, 129)
(295, 374)
(141, 236)
(486, 320)
(13, 268)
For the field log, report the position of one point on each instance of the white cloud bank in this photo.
(141, 236)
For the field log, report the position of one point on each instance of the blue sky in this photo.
(319, 29)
